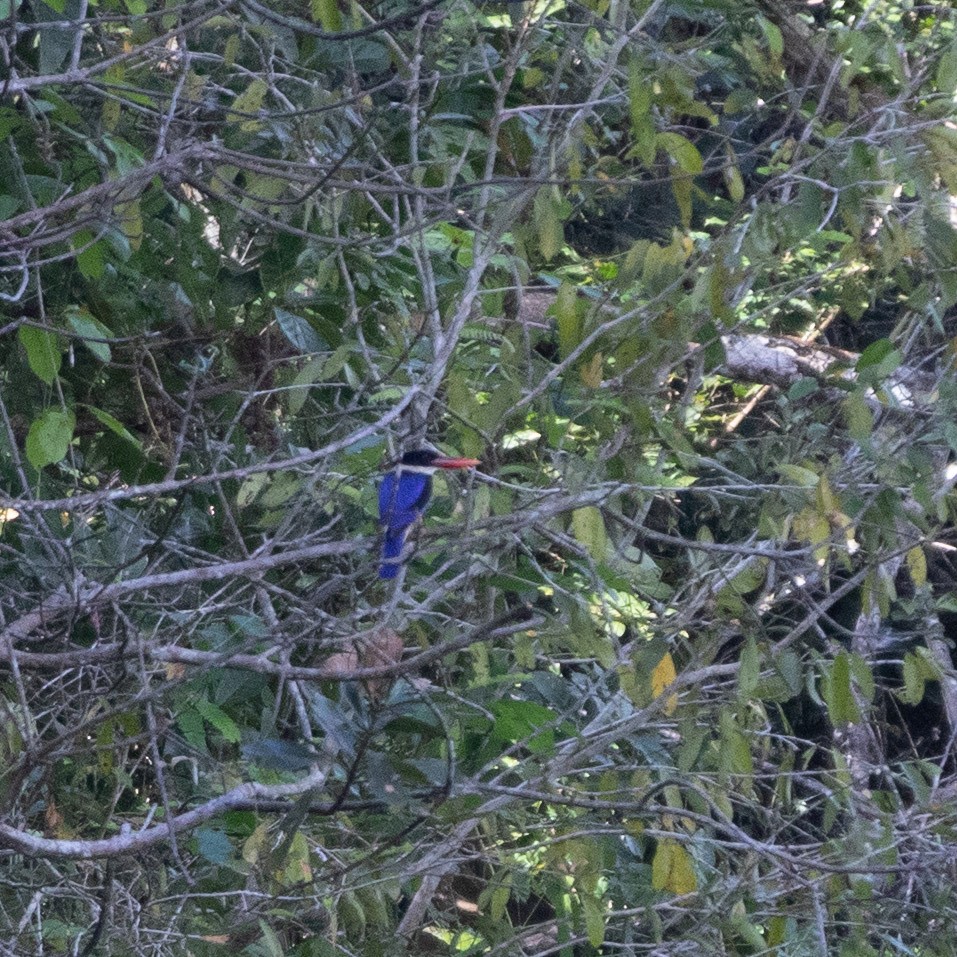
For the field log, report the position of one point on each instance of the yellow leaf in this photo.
(683, 879)
(255, 844)
(810, 526)
(662, 677)
(825, 496)
(230, 50)
(296, 868)
(672, 870)
(661, 865)
(130, 218)
(734, 183)
(591, 371)
(917, 566)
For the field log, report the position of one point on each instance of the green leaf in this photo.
(326, 13)
(270, 942)
(248, 102)
(799, 475)
(681, 188)
(772, 33)
(50, 436)
(802, 388)
(524, 721)
(90, 257)
(43, 352)
(588, 527)
(878, 361)
(129, 218)
(644, 145)
(913, 691)
(734, 756)
(91, 331)
(858, 417)
(595, 911)
(568, 319)
(251, 488)
(946, 76)
(862, 677)
(56, 43)
(749, 669)
(279, 755)
(213, 845)
(114, 425)
(838, 693)
(351, 914)
(546, 214)
(682, 151)
(299, 332)
(788, 666)
(190, 722)
(218, 718)
(733, 181)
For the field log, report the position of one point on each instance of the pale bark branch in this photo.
(133, 842)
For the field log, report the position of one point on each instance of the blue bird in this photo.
(404, 495)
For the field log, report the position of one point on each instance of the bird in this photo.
(403, 497)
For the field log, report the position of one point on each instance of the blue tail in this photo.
(391, 550)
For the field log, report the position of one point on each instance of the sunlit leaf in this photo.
(662, 677)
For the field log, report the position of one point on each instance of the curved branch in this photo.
(134, 842)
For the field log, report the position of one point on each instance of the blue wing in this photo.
(391, 551)
(403, 497)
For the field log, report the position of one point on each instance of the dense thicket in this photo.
(672, 671)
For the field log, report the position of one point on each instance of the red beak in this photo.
(456, 463)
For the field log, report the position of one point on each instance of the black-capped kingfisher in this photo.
(404, 495)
